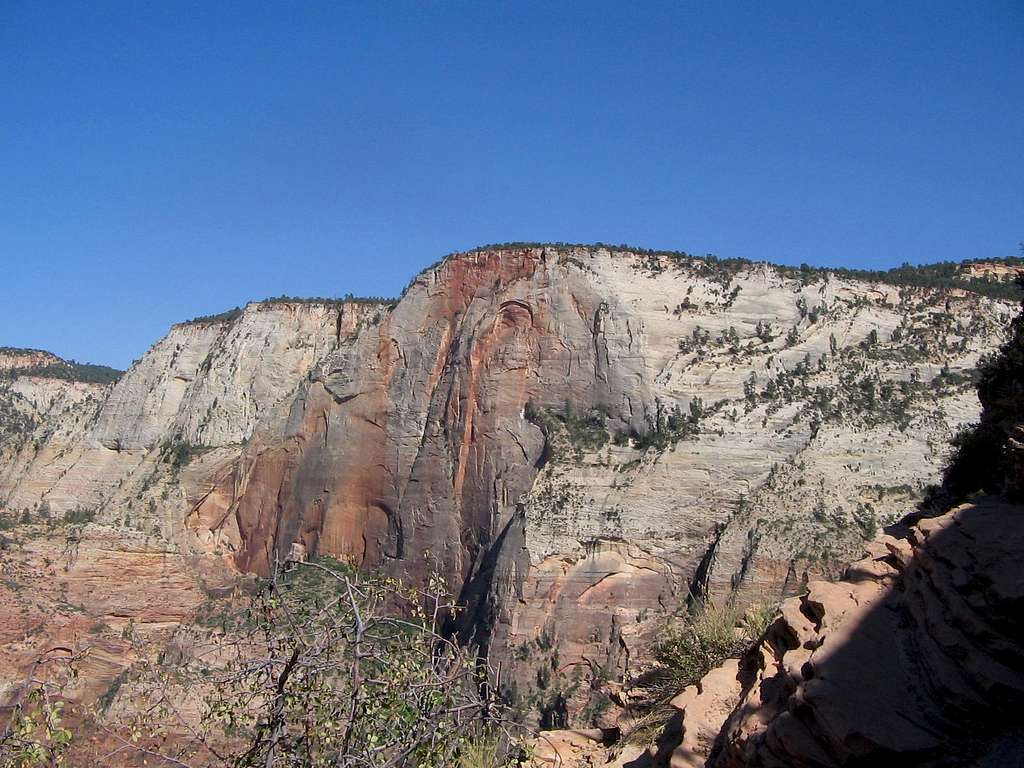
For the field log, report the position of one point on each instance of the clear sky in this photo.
(160, 160)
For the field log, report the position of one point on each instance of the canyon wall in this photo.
(576, 438)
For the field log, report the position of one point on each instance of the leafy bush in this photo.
(331, 668)
(34, 735)
(343, 670)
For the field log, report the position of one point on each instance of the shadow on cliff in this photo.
(932, 674)
(989, 457)
(502, 566)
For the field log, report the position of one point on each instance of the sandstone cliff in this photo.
(575, 437)
(36, 389)
(914, 658)
(769, 424)
(96, 550)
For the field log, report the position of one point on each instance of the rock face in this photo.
(95, 500)
(95, 590)
(37, 389)
(28, 385)
(575, 438)
(203, 387)
(916, 658)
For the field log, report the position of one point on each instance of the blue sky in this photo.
(160, 160)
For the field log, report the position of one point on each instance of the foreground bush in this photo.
(328, 669)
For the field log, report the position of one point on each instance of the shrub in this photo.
(689, 652)
(763, 331)
(667, 426)
(708, 636)
(346, 670)
(582, 431)
(178, 453)
(483, 751)
(79, 516)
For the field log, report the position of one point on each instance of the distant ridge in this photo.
(46, 365)
(232, 314)
(967, 275)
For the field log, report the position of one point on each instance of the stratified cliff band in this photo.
(575, 438)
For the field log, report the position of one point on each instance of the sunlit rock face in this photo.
(576, 438)
(439, 439)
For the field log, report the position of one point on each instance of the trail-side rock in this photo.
(702, 709)
(916, 658)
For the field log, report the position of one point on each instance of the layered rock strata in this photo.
(575, 438)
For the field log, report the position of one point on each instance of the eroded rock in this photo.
(916, 659)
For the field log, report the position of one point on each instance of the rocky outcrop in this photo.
(40, 385)
(916, 658)
(990, 270)
(12, 358)
(209, 383)
(575, 437)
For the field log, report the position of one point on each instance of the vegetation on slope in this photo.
(326, 668)
(15, 423)
(226, 316)
(567, 431)
(234, 313)
(67, 370)
(687, 650)
(348, 298)
(941, 275)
